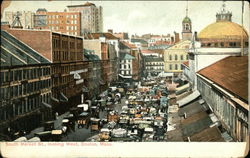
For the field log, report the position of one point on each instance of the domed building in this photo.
(218, 69)
(223, 33)
(216, 41)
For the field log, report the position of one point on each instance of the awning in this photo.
(85, 89)
(188, 98)
(63, 98)
(77, 76)
(182, 89)
(191, 108)
(54, 99)
(46, 105)
(125, 76)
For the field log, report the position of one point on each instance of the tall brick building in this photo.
(91, 19)
(64, 22)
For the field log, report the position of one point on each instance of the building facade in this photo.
(26, 18)
(175, 55)
(126, 67)
(67, 70)
(91, 17)
(132, 50)
(64, 22)
(25, 87)
(153, 65)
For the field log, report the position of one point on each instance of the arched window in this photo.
(170, 66)
(176, 57)
(176, 66)
(187, 27)
(181, 57)
(170, 57)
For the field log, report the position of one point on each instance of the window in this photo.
(170, 57)
(176, 67)
(170, 67)
(187, 27)
(187, 56)
(176, 57)
(181, 57)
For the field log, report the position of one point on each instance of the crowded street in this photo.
(137, 113)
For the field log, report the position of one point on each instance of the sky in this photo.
(142, 17)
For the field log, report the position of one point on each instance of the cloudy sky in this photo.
(141, 17)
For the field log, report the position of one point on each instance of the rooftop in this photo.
(129, 45)
(126, 56)
(14, 52)
(153, 59)
(230, 73)
(98, 35)
(87, 4)
(223, 30)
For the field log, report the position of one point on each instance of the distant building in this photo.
(64, 22)
(186, 27)
(147, 52)
(139, 43)
(122, 36)
(104, 37)
(25, 87)
(91, 17)
(153, 65)
(126, 67)
(175, 55)
(132, 50)
(26, 18)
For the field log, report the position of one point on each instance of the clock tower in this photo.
(186, 27)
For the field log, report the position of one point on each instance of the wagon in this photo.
(95, 124)
(83, 119)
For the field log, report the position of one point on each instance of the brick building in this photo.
(25, 87)
(91, 19)
(64, 22)
(67, 70)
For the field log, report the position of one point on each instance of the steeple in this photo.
(186, 26)
(187, 10)
(224, 15)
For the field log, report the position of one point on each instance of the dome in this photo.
(186, 20)
(223, 30)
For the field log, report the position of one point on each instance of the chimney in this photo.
(176, 37)
(172, 40)
(195, 36)
(110, 31)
